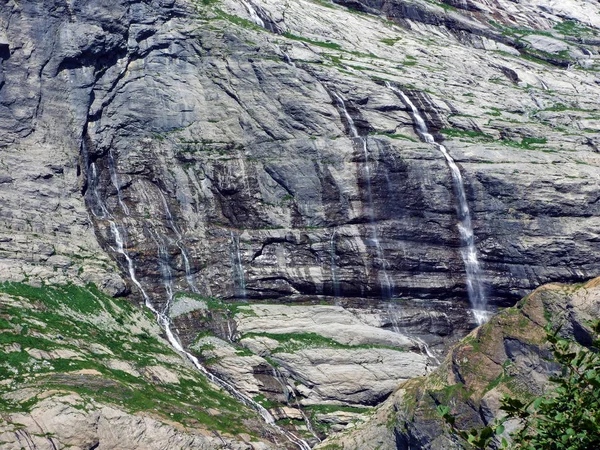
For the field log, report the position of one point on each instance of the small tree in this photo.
(567, 418)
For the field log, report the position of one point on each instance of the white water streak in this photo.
(189, 277)
(475, 288)
(332, 264)
(384, 279)
(253, 14)
(165, 323)
(115, 181)
(238, 269)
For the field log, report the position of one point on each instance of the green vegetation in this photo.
(390, 41)
(293, 342)
(454, 132)
(237, 20)
(324, 426)
(218, 305)
(572, 28)
(567, 418)
(74, 339)
(265, 402)
(442, 5)
(526, 143)
(330, 45)
(325, 409)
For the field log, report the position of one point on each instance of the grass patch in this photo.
(217, 305)
(328, 409)
(293, 342)
(329, 45)
(572, 28)
(454, 132)
(390, 41)
(99, 330)
(526, 143)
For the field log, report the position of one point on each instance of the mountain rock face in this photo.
(266, 152)
(508, 355)
(212, 140)
(81, 370)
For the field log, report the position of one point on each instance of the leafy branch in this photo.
(567, 418)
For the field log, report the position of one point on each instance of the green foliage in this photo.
(476, 438)
(454, 132)
(38, 323)
(572, 28)
(390, 41)
(568, 418)
(265, 402)
(526, 143)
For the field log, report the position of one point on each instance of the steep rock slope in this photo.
(82, 370)
(263, 151)
(507, 355)
(225, 147)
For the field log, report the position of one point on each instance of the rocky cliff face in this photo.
(81, 370)
(227, 145)
(263, 151)
(508, 355)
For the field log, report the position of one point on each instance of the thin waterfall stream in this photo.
(468, 251)
(333, 266)
(253, 13)
(384, 279)
(162, 316)
(238, 269)
(179, 242)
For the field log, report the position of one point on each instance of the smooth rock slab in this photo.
(360, 376)
(332, 322)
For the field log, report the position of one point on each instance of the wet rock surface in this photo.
(251, 151)
(508, 355)
(226, 141)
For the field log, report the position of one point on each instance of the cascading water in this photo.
(424, 346)
(333, 265)
(115, 181)
(164, 268)
(99, 210)
(287, 58)
(253, 14)
(384, 279)
(289, 392)
(261, 17)
(238, 268)
(179, 243)
(475, 287)
(392, 314)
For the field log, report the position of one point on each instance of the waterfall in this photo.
(253, 13)
(115, 181)
(392, 315)
(189, 277)
(163, 319)
(288, 59)
(384, 279)
(164, 267)
(290, 393)
(424, 348)
(333, 265)
(475, 287)
(261, 17)
(238, 268)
